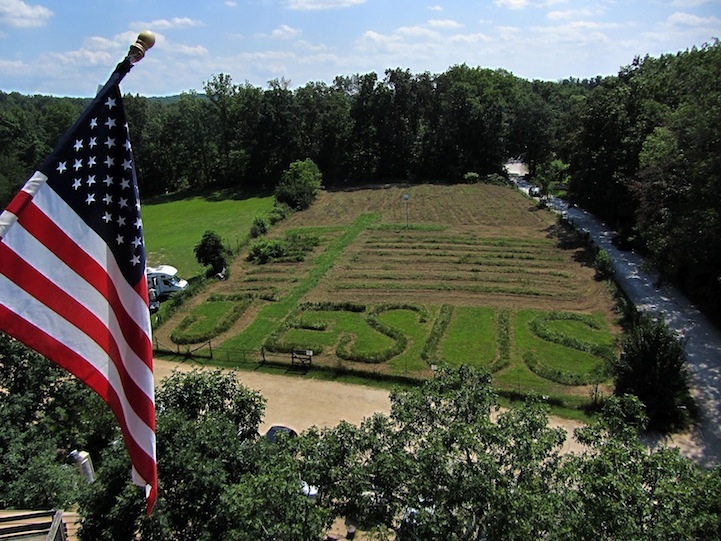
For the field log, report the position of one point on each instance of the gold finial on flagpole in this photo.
(146, 39)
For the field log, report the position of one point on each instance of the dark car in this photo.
(276, 430)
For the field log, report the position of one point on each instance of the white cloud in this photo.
(573, 13)
(322, 4)
(83, 58)
(690, 3)
(18, 14)
(303, 44)
(512, 4)
(231, 3)
(285, 32)
(435, 8)
(470, 38)
(416, 32)
(166, 24)
(521, 4)
(445, 23)
(686, 19)
(188, 50)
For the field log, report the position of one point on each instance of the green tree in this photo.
(299, 185)
(211, 252)
(653, 368)
(44, 414)
(206, 423)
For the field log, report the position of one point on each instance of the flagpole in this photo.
(136, 52)
(144, 41)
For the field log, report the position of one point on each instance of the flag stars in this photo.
(109, 161)
(135, 260)
(77, 183)
(91, 180)
(91, 161)
(107, 218)
(110, 122)
(127, 145)
(90, 199)
(62, 166)
(127, 164)
(138, 222)
(78, 145)
(121, 221)
(120, 240)
(78, 164)
(108, 181)
(93, 142)
(108, 199)
(137, 242)
(123, 203)
(110, 142)
(93, 123)
(110, 103)
(125, 184)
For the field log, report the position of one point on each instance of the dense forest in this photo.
(641, 149)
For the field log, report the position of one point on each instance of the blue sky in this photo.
(68, 47)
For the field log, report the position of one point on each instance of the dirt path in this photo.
(302, 403)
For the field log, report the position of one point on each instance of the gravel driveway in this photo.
(703, 339)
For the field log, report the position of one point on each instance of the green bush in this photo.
(259, 227)
(263, 251)
(278, 213)
(299, 185)
(293, 248)
(603, 265)
(471, 177)
(653, 368)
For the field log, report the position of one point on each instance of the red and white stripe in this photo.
(62, 293)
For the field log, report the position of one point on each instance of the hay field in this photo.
(485, 256)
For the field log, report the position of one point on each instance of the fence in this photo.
(233, 356)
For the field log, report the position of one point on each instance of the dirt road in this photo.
(301, 403)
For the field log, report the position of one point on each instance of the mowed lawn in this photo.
(485, 255)
(174, 227)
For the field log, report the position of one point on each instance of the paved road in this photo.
(703, 340)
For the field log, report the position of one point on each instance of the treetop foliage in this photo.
(447, 463)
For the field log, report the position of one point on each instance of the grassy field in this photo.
(478, 275)
(173, 228)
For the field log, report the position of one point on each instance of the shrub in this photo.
(278, 213)
(264, 251)
(653, 368)
(495, 179)
(259, 227)
(603, 265)
(471, 177)
(293, 248)
(299, 185)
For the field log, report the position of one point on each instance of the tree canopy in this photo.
(447, 462)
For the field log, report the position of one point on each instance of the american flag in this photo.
(72, 272)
